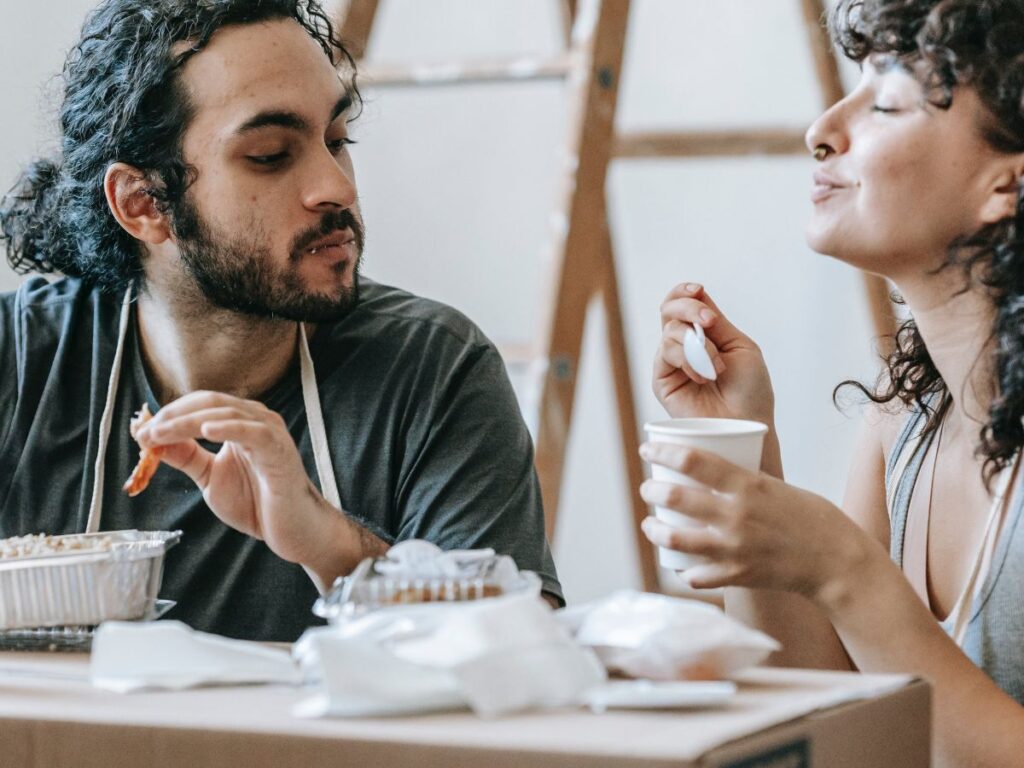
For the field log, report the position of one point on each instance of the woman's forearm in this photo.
(805, 633)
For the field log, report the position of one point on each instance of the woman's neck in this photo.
(956, 327)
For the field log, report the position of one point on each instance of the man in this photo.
(205, 177)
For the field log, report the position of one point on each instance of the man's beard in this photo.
(242, 276)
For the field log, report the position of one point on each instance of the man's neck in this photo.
(187, 344)
(956, 328)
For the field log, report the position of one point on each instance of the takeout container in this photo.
(427, 578)
(117, 580)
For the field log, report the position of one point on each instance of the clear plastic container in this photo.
(419, 573)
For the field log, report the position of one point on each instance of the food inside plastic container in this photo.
(418, 572)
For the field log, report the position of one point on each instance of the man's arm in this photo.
(469, 481)
(8, 364)
(256, 483)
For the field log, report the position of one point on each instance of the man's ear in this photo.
(127, 191)
(1005, 193)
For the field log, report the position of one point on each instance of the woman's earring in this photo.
(821, 152)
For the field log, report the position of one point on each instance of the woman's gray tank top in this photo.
(994, 637)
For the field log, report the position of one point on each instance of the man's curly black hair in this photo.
(124, 102)
(978, 44)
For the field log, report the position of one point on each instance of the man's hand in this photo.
(256, 482)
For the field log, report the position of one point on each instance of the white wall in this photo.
(458, 184)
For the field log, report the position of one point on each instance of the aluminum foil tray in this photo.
(69, 639)
(117, 580)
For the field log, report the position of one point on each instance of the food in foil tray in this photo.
(39, 544)
(419, 572)
(80, 579)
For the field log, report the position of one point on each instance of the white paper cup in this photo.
(735, 440)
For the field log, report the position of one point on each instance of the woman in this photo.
(919, 180)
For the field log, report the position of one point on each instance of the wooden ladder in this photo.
(582, 256)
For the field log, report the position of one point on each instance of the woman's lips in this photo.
(825, 186)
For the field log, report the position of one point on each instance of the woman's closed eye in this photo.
(338, 145)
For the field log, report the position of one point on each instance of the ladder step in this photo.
(461, 72)
(518, 355)
(726, 142)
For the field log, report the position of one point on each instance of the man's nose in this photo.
(329, 186)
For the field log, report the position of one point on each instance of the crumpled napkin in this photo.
(130, 656)
(658, 637)
(497, 656)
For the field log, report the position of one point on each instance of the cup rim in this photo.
(682, 426)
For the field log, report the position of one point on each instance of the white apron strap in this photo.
(315, 419)
(310, 395)
(96, 505)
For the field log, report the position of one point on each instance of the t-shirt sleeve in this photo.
(11, 373)
(471, 482)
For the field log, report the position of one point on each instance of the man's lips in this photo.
(825, 186)
(331, 243)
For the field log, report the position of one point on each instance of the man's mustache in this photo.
(334, 221)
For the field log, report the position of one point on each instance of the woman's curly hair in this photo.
(124, 102)
(977, 44)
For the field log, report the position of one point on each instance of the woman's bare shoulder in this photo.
(884, 422)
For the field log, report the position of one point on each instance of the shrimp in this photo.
(149, 458)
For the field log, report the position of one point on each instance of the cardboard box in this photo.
(50, 716)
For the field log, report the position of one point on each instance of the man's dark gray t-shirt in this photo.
(425, 434)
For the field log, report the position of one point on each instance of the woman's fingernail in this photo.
(706, 315)
(645, 451)
(693, 287)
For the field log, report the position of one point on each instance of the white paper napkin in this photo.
(665, 638)
(131, 656)
(497, 656)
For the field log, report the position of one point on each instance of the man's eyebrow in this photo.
(291, 120)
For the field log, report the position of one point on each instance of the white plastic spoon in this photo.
(697, 354)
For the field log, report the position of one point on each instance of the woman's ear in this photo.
(127, 190)
(1005, 193)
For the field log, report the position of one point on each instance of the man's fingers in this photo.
(205, 400)
(191, 458)
(174, 429)
(257, 437)
(704, 467)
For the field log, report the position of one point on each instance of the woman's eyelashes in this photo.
(338, 145)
